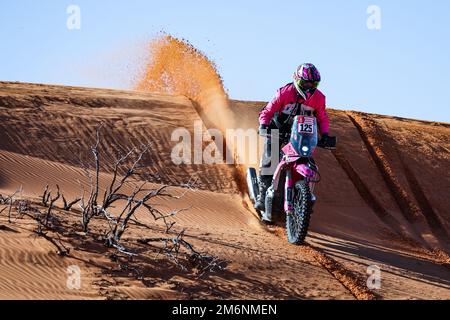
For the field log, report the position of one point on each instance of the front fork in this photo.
(289, 192)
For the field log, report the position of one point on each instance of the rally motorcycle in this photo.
(292, 188)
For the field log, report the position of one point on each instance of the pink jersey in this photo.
(286, 99)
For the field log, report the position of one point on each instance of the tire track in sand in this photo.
(368, 196)
(414, 214)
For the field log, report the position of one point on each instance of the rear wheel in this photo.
(297, 222)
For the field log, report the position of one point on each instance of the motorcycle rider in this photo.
(298, 97)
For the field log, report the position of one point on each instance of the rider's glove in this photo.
(327, 142)
(263, 130)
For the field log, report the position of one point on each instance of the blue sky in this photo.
(402, 69)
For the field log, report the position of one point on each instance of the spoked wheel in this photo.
(297, 223)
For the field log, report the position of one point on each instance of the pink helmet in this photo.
(306, 72)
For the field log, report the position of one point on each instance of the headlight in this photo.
(305, 149)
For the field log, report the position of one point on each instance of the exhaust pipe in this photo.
(252, 184)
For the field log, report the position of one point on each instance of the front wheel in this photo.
(297, 222)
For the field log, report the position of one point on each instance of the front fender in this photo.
(304, 170)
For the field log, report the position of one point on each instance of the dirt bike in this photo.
(300, 174)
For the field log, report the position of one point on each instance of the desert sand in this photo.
(383, 200)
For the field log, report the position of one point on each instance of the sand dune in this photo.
(30, 269)
(383, 200)
(63, 122)
(216, 222)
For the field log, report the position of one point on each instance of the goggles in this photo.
(307, 84)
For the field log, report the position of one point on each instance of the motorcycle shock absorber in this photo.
(315, 178)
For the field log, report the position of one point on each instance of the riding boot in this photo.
(264, 184)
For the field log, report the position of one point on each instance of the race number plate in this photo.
(306, 125)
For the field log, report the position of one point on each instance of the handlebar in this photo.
(329, 143)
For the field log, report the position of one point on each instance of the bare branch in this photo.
(96, 154)
(68, 206)
(51, 205)
(45, 196)
(172, 249)
(60, 249)
(9, 201)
